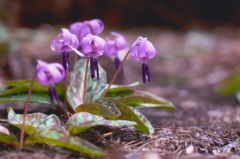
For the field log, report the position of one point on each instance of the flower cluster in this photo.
(82, 40)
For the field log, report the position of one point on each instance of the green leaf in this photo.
(7, 138)
(238, 96)
(16, 91)
(119, 94)
(35, 98)
(61, 137)
(102, 107)
(132, 114)
(117, 88)
(228, 85)
(142, 99)
(24, 88)
(84, 120)
(15, 83)
(33, 121)
(94, 89)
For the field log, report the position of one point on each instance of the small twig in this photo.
(107, 134)
(3, 120)
(85, 81)
(115, 76)
(26, 108)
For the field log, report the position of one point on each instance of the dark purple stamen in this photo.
(145, 72)
(93, 67)
(117, 64)
(53, 94)
(66, 60)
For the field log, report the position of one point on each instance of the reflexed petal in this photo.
(64, 44)
(100, 44)
(78, 52)
(120, 41)
(85, 30)
(49, 73)
(66, 36)
(96, 26)
(134, 49)
(110, 49)
(75, 28)
(96, 50)
(146, 49)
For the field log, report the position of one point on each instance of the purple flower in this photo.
(64, 43)
(94, 27)
(114, 45)
(93, 46)
(48, 74)
(142, 50)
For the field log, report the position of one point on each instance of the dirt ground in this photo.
(184, 71)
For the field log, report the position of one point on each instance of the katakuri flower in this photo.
(48, 74)
(114, 45)
(64, 43)
(142, 50)
(82, 29)
(93, 46)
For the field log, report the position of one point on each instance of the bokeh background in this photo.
(197, 42)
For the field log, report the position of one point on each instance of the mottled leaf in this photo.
(144, 99)
(94, 89)
(35, 98)
(15, 83)
(132, 114)
(84, 120)
(117, 88)
(238, 96)
(61, 137)
(119, 94)
(228, 85)
(101, 107)
(7, 138)
(33, 121)
(11, 88)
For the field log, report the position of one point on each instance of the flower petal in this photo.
(66, 36)
(121, 42)
(49, 74)
(96, 26)
(75, 28)
(146, 49)
(134, 49)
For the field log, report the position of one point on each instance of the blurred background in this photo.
(197, 42)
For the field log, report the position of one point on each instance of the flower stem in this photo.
(26, 109)
(66, 84)
(115, 76)
(85, 81)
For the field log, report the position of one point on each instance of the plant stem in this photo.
(115, 76)
(66, 84)
(26, 109)
(85, 81)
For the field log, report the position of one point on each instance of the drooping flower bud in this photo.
(93, 46)
(48, 74)
(142, 50)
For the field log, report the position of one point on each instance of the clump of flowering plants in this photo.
(92, 100)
